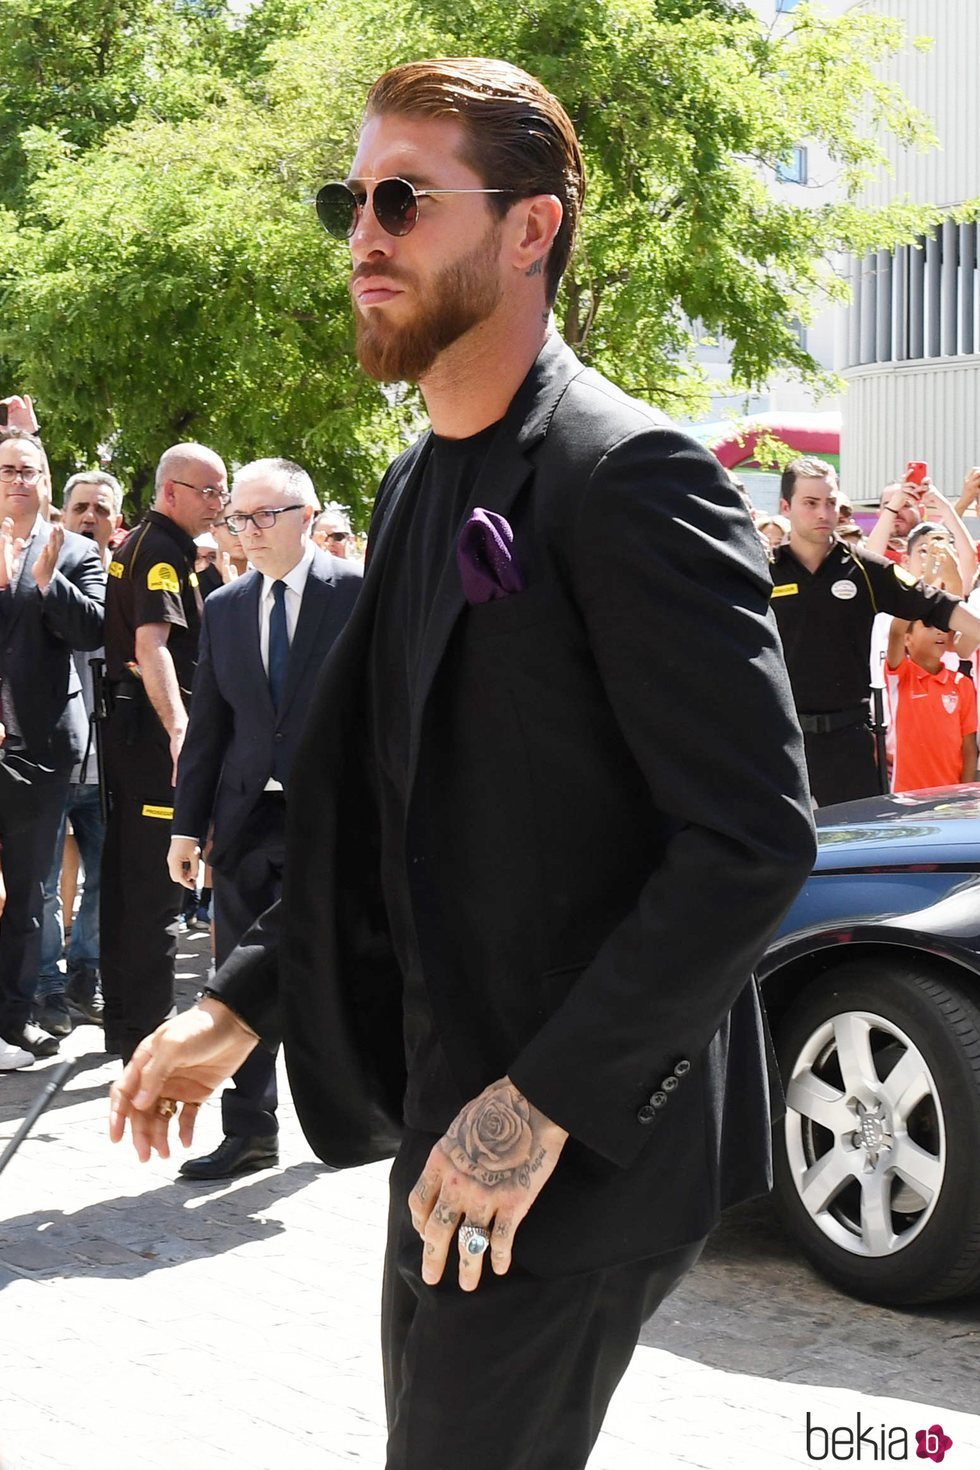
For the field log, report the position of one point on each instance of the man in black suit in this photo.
(264, 638)
(540, 846)
(52, 599)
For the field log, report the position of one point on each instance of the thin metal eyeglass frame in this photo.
(210, 492)
(359, 204)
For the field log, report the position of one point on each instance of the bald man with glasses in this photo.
(153, 622)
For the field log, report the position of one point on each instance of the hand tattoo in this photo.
(492, 1139)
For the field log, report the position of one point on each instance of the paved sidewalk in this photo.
(146, 1323)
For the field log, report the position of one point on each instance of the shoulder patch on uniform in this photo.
(906, 578)
(163, 578)
(115, 569)
(785, 589)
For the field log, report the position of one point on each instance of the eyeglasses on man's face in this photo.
(206, 492)
(337, 535)
(27, 473)
(261, 519)
(395, 203)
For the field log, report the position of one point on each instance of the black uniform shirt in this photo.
(152, 580)
(825, 619)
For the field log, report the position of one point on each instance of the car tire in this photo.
(877, 1162)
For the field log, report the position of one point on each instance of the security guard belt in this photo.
(837, 719)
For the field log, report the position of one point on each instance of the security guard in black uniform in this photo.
(153, 620)
(825, 597)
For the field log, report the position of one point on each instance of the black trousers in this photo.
(138, 901)
(243, 888)
(28, 851)
(517, 1375)
(841, 765)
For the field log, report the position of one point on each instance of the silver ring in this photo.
(474, 1239)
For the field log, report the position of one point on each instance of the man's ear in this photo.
(539, 220)
(783, 507)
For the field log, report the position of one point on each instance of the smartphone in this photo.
(916, 472)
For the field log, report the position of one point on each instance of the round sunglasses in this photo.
(395, 203)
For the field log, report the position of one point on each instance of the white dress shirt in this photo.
(295, 585)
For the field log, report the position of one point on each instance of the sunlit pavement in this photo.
(148, 1323)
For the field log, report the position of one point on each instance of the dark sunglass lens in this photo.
(336, 209)
(395, 206)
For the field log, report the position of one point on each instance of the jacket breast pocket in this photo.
(507, 615)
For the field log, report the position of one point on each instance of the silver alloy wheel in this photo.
(865, 1135)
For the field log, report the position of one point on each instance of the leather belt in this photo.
(837, 719)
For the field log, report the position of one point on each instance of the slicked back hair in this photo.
(518, 136)
(804, 469)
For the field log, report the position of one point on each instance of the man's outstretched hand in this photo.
(488, 1169)
(184, 1060)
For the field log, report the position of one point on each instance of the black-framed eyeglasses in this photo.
(206, 492)
(27, 473)
(261, 519)
(337, 535)
(395, 203)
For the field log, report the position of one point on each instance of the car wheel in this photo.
(877, 1162)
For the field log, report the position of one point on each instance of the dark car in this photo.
(873, 992)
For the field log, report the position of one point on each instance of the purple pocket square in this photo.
(485, 557)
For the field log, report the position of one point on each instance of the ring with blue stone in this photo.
(474, 1239)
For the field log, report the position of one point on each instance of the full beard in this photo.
(460, 297)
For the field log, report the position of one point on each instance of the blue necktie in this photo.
(278, 644)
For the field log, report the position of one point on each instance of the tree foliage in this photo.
(162, 274)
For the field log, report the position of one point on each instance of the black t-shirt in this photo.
(152, 580)
(430, 528)
(825, 617)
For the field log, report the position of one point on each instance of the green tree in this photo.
(169, 280)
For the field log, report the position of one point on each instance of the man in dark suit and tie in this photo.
(52, 600)
(264, 638)
(540, 848)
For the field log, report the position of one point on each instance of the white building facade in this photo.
(910, 340)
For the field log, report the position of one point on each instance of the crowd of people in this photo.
(885, 692)
(101, 627)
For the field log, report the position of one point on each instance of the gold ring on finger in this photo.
(166, 1107)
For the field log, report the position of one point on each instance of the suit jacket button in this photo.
(646, 1114)
(682, 1068)
(658, 1099)
(669, 1083)
(279, 735)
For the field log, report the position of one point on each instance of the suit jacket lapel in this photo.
(505, 472)
(313, 608)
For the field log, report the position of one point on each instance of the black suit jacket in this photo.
(37, 635)
(608, 819)
(235, 738)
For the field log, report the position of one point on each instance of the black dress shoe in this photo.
(52, 1015)
(234, 1156)
(31, 1038)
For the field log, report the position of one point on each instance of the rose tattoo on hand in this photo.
(487, 1169)
(492, 1138)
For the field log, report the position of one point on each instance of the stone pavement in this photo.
(146, 1323)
